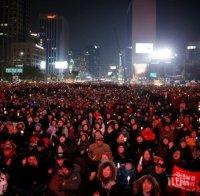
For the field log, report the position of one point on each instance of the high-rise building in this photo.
(128, 44)
(54, 33)
(143, 33)
(92, 54)
(79, 59)
(29, 53)
(192, 61)
(14, 26)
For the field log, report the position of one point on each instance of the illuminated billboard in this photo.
(61, 65)
(140, 68)
(144, 48)
(112, 67)
(153, 75)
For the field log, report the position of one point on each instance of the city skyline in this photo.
(93, 22)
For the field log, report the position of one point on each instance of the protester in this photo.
(107, 179)
(67, 181)
(146, 185)
(96, 139)
(97, 149)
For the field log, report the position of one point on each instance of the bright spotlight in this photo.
(61, 65)
(109, 73)
(162, 54)
(43, 65)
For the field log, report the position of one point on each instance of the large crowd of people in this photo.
(96, 139)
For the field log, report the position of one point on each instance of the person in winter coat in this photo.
(107, 185)
(110, 136)
(66, 182)
(146, 185)
(125, 175)
(61, 129)
(97, 149)
(163, 147)
(121, 155)
(176, 160)
(31, 179)
(161, 176)
(146, 164)
(185, 151)
(83, 144)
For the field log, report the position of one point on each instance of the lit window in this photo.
(191, 47)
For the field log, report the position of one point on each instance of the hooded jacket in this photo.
(108, 187)
(137, 186)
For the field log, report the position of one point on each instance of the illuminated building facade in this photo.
(92, 55)
(143, 33)
(79, 60)
(14, 26)
(192, 61)
(54, 34)
(27, 54)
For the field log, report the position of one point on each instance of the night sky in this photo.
(94, 21)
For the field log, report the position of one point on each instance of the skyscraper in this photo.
(54, 33)
(92, 54)
(143, 33)
(14, 26)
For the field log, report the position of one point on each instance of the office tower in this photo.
(92, 54)
(54, 34)
(29, 53)
(192, 61)
(14, 26)
(143, 33)
(79, 59)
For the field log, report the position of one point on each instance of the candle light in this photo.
(141, 159)
(118, 165)
(128, 179)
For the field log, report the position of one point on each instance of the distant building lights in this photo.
(52, 16)
(43, 65)
(38, 46)
(191, 47)
(162, 54)
(61, 65)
